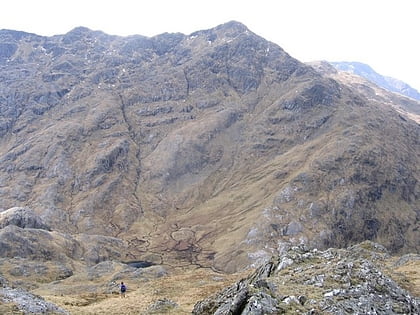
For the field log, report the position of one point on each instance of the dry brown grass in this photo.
(184, 288)
(9, 308)
(408, 276)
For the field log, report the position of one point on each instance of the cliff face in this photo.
(210, 149)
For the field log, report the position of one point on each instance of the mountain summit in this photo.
(210, 149)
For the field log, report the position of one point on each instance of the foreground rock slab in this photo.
(334, 281)
(28, 303)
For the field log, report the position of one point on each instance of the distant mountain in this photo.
(389, 83)
(406, 106)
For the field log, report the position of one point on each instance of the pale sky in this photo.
(381, 33)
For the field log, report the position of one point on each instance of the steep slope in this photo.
(408, 107)
(210, 149)
(388, 83)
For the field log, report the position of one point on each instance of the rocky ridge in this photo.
(408, 107)
(334, 281)
(389, 83)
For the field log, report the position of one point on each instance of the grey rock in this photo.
(291, 300)
(23, 218)
(161, 306)
(260, 304)
(294, 228)
(29, 303)
(350, 284)
(41, 245)
(7, 50)
(241, 298)
(35, 244)
(3, 281)
(101, 269)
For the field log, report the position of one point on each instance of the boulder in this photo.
(23, 218)
(29, 303)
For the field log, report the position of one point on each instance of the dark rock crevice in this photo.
(133, 136)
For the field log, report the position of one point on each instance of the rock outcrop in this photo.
(23, 218)
(26, 302)
(42, 245)
(335, 281)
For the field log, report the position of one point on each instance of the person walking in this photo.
(123, 289)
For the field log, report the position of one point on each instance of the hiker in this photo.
(123, 288)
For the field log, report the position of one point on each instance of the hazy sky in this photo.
(381, 33)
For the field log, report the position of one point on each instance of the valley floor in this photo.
(179, 290)
(173, 294)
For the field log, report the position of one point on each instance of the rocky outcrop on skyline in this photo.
(408, 107)
(386, 82)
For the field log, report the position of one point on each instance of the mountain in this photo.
(406, 106)
(213, 149)
(389, 83)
